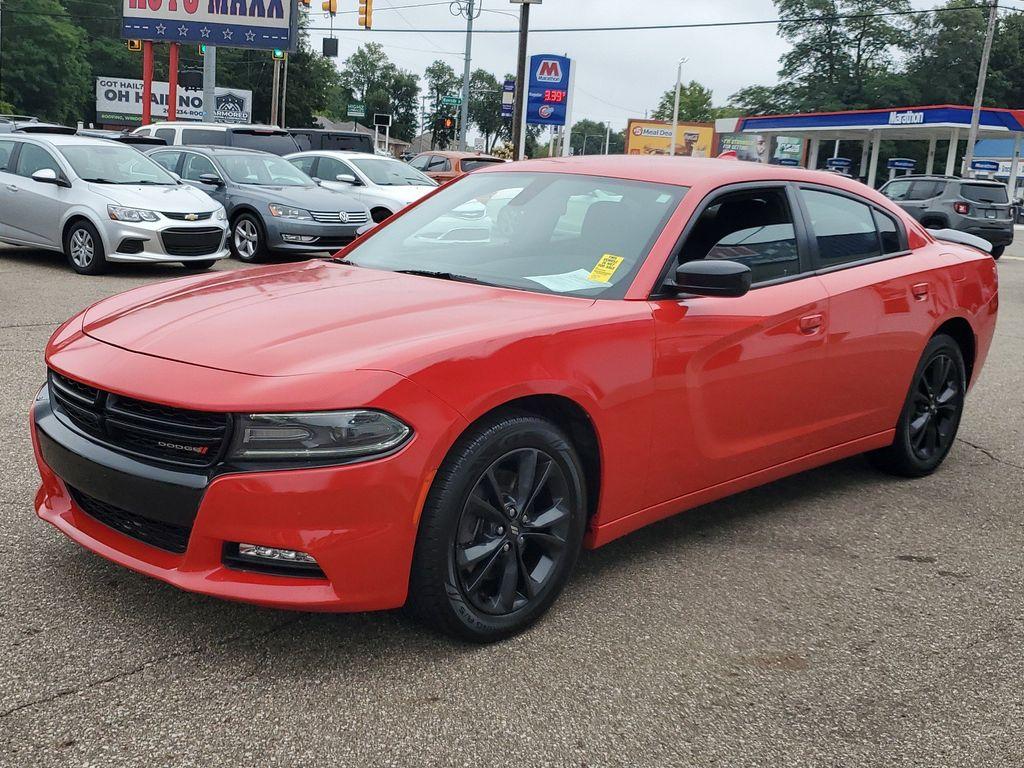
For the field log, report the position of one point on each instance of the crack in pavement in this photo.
(989, 453)
(145, 665)
(32, 325)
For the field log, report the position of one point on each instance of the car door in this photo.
(739, 379)
(882, 298)
(35, 208)
(329, 168)
(7, 158)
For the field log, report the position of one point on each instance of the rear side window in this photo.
(473, 164)
(926, 190)
(752, 227)
(844, 229)
(984, 193)
(354, 143)
(6, 150)
(203, 136)
(274, 143)
(439, 164)
(167, 134)
(897, 190)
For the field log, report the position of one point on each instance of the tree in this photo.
(442, 81)
(485, 107)
(588, 138)
(369, 77)
(694, 104)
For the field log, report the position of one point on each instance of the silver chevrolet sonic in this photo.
(99, 201)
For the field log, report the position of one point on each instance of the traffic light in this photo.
(278, 54)
(366, 13)
(306, 3)
(134, 45)
(331, 6)
(444, 124)
(202, 49)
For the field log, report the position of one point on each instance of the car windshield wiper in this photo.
(441, 275)
(100, 180)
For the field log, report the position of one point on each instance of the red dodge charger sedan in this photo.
(446, 412)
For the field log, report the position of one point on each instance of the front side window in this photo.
(420, 163)
(844, 228)
(545, 232)
(329, 169)
(263, 170)
(166, 160)
(439, 164)
(752, 227)
(304, 164)
(34, 158)
(195, 166)
(114, 164)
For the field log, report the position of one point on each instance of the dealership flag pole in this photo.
(979, 93)
(210, 83)
(147, 82)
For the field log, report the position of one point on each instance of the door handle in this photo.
(920, 291)
(12, 188)
(811, 324)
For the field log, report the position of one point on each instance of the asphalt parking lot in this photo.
(836, 618)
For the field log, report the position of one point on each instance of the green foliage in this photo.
(369, 77)
(694, 104)
(485, 108)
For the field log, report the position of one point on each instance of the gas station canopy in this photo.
(943, 122)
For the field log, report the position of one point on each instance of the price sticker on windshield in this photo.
(605, 268)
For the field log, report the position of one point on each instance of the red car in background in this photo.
(448, 411)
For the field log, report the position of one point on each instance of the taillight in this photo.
(962, 208)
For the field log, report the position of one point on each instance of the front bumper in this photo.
(144, 241)
(359, 520)
(297, 236)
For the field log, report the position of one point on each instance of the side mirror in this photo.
(49, 176)
(715, 277)
(1018, 201)
(346, 178)
(212, 179)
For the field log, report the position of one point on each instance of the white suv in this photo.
(99, 201)
(265, 138)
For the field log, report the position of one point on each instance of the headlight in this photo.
(220, 214)
(315, 436)
(120, 213)
(289, 212)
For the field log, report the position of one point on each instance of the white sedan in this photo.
(385, 185)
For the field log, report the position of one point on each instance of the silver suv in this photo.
(980, 208)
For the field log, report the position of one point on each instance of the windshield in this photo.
(475, 163)
(263, 170)
(391, 173)
(551, 233)
(114, 164)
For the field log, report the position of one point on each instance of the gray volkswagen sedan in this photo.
(272, 206)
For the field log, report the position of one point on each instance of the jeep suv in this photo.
(975, 206)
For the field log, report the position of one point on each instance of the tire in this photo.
(380, 214)
(198, 266)
(248, 239)
(487, 564)
(84, 249)
(931, 415)
(997, 251)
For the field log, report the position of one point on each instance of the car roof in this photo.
(459, 155)
(212, 149)
(342, 153)
(61, 139)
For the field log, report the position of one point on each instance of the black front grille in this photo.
(172, 538)
(143, 429)
(188, 216)
(199, 241)
(334, 242)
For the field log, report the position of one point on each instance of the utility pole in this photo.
(519, 120)
(274, 91)
(284, 93)
(675, 108)
(210, 83)
(470, 11)
(979, 93)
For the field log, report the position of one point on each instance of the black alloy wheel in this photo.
(501, 529)
(931, 415)
(513, 532)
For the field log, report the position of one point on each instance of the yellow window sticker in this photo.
(605, 268)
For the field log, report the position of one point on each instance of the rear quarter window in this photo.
(203, 136)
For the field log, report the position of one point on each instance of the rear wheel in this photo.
(84, 249)
(930, 417)
(198, 266)
(501, 530)
(998, 250)
(248, 242)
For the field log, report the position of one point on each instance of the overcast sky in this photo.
(619, 74)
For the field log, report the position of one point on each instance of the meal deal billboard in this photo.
(548, 90)
(119, 102)
(229, 23)
(654, 137)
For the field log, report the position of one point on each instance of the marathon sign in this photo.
(225, 23)
(119, 102)
(549, 90)
(910, 117)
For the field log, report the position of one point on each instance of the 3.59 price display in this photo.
(552, 96)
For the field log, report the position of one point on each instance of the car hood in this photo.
(321, 317)
(404, 194)
(172, 198)
(310, 198)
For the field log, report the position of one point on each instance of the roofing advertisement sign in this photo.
(548, 90)
(229, 23)
(119, 101)
(654, 137)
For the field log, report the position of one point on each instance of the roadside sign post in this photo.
(209, 82)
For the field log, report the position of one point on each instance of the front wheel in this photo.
(248, 242)
(930, 417)
(998, 250)
(501, 530)
(84, 249)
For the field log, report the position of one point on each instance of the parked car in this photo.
(123, 137)
(446, 424)
(442, 167)
(265, 138)
(383, 184)
(100, 201)
(324, 139)
(978, 207)
(272, 206)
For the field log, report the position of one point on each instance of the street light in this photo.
(675, 109)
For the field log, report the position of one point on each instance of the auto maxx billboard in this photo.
(119, 101)
(654, 137)
(229, 23)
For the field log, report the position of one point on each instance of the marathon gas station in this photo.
(943, 127)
